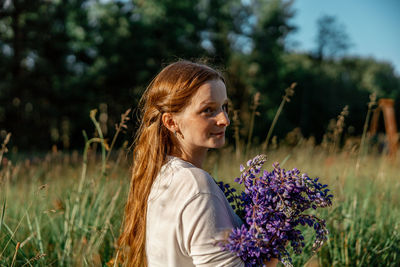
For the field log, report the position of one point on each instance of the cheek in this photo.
(198, 128)
(205, 127)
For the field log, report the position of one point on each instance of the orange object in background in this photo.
(386, 105)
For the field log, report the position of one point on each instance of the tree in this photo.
(268, 37)
(332, 39)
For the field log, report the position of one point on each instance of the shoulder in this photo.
(190, 178)
(180, 182)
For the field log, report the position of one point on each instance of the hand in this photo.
(272, 263)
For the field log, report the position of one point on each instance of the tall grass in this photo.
(50, 217)
(61, 213)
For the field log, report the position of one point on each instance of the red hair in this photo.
(170, 91)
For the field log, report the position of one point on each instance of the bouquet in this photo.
(271, 207)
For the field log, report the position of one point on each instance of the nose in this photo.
(222, 119)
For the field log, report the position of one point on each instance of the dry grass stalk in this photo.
(15, 254)
(335, 129)
(286, 98)
(253, 108)
(236, 128)
(37, 257)
(119, 127)
(362, 150)
(338, 130)
(4, 149)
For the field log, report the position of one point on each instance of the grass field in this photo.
(61, 210)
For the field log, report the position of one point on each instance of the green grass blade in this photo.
(3, 211)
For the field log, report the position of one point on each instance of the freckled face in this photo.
(203, 122)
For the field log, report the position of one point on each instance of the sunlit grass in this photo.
(66, 209)
(53, 223)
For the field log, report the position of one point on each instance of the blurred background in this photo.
(59, 59)
(306, 79)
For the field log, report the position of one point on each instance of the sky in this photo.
(373, 26)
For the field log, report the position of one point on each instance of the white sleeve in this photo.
(205, 220)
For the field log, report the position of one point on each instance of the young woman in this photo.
(175, 213)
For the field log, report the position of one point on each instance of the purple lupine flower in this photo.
(271, 207)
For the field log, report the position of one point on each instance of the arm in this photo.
(204, 221)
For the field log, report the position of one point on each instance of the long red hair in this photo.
(170, 91)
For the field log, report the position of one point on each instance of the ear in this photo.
(169, 122)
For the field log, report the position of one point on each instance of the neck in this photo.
(195, 157)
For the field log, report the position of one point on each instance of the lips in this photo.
(218, 133)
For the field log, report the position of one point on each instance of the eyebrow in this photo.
(203, 103)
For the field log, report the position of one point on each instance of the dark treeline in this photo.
(60, 59)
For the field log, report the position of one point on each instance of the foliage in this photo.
(332, 40)
(323, 89)
(60, 59)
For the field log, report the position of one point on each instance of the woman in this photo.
(175, 213)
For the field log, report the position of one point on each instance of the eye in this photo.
(208, 110)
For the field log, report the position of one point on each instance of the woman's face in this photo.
(203, 122)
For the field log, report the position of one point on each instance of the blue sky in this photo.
(372, 25)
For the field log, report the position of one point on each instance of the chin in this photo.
(218, 144)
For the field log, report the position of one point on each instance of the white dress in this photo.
(187, 214)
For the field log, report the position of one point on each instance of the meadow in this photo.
(65, 209)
